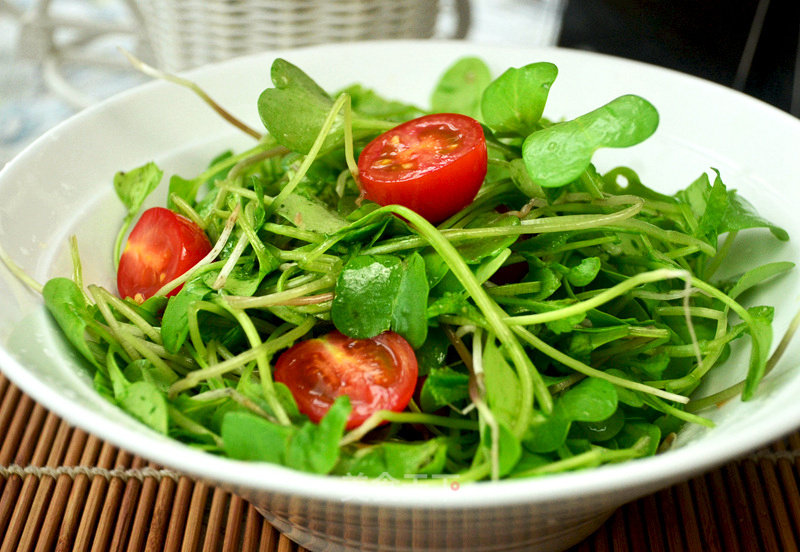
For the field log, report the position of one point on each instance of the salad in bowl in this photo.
(363, 288)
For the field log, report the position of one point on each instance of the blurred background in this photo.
(58, 56)
(750, 45)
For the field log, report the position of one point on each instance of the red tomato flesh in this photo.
(162, 246)
(379, 373)
(434, 165)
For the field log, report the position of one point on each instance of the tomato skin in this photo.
(379, 373)
(162, 246)
(434, 165)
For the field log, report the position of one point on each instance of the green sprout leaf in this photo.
(460, 88)
(132, 188)
(514, 102)
(375, 293)
(558, 154)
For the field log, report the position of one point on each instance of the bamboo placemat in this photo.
(119, 502)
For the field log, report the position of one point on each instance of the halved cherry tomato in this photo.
(162, 246)
(379, 373)
(434, 165)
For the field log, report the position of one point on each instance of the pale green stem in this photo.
(587, 459)
(381, 416)
(242, 359)
(156, 73)
(587, 370)
(182, 420)
(531, 382)
(236, 396)
(327, 125)
(17, 271)
(128, 312)
(230, 262)
(112, 322)
(194, 327)
(736, 389)
(281, 297)
(263, 361)
(188, 211)
(566, 223)
(601, 298)
(77, 269)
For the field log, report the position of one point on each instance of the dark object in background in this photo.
(707, 38)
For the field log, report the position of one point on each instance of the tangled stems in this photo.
(262, 350)
(591, 458)
(756, 370)
(563, 223)
(736, 389)
(531, 382)
(342, 103)
(601, 298)
(381, 416)
(587, 370)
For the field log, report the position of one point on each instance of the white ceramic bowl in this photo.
(61, 186)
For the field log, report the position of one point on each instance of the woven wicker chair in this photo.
(187, 33)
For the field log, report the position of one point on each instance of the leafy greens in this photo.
(560, 321)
